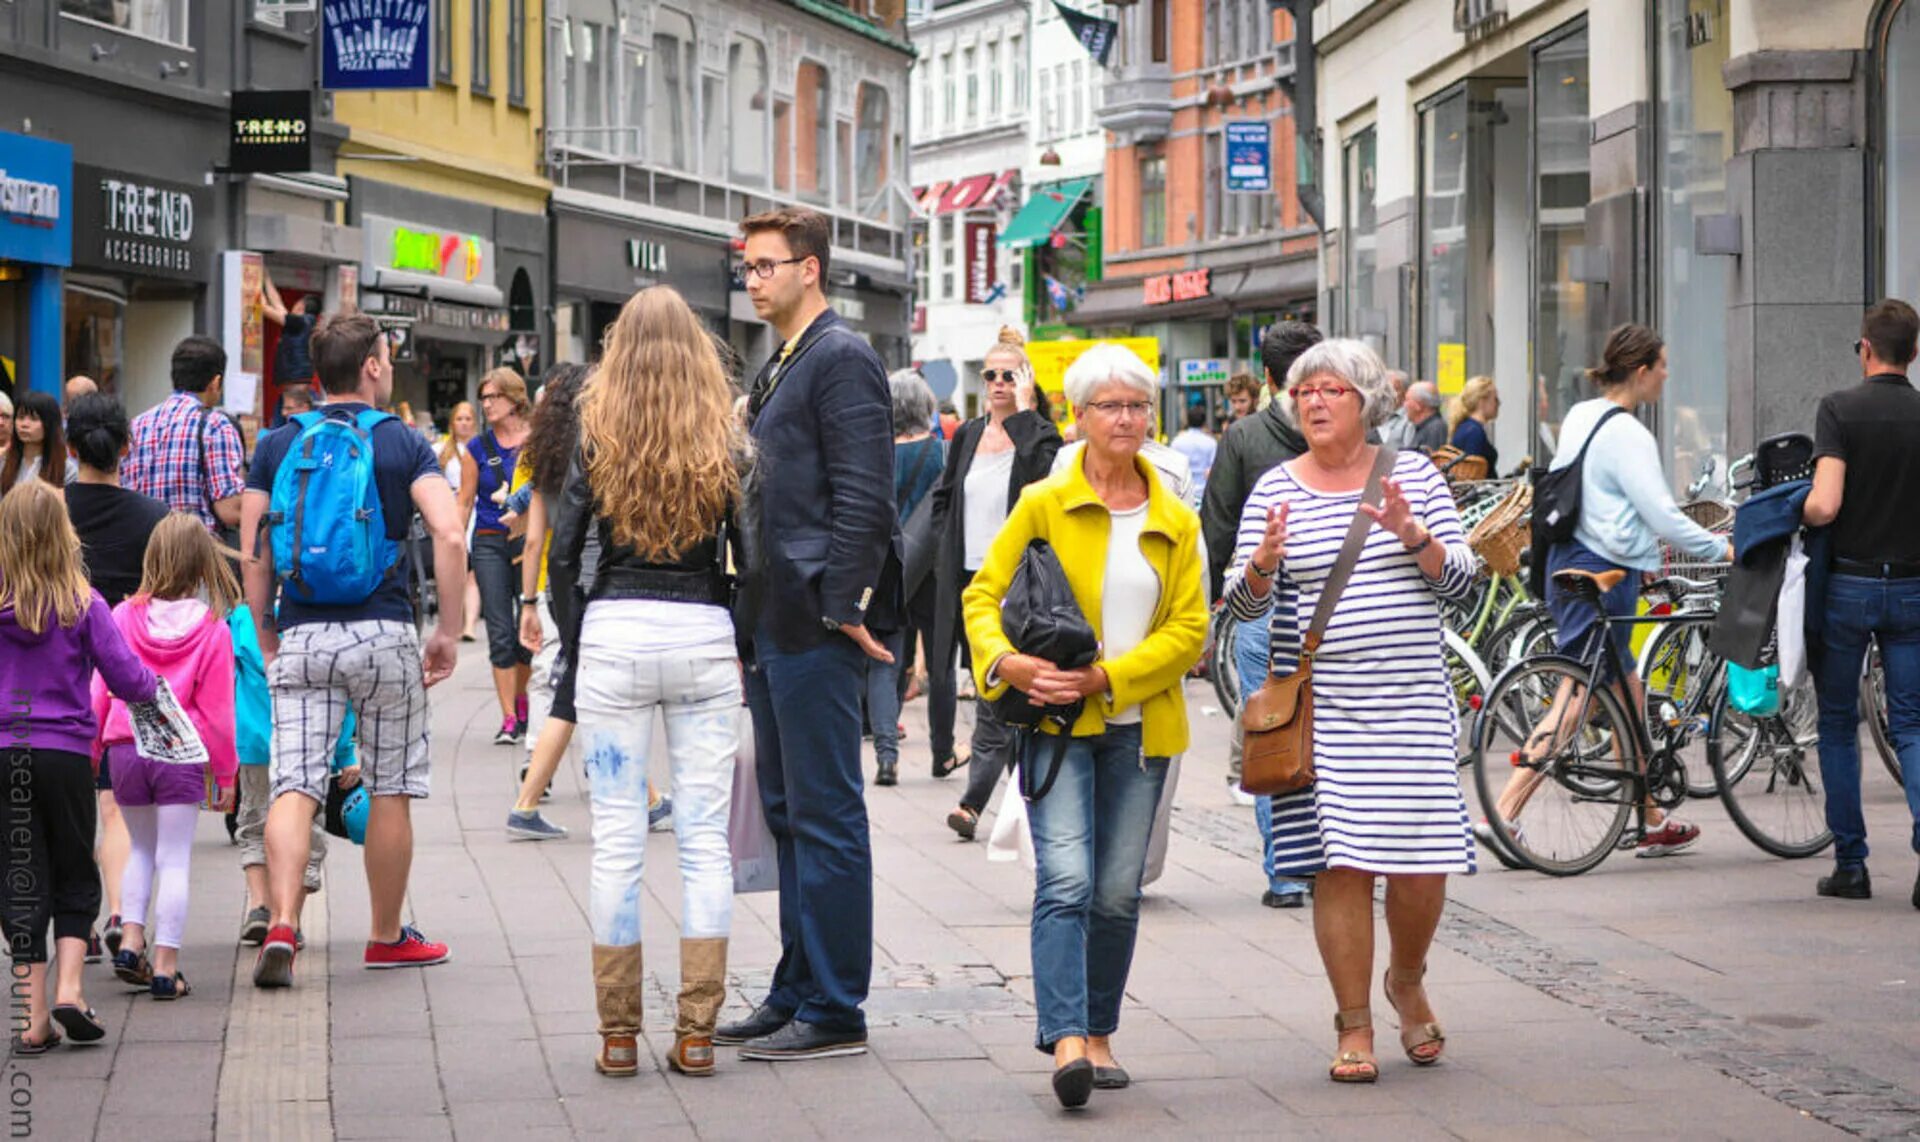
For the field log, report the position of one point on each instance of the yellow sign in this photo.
(1453, 367)
(1052, 358)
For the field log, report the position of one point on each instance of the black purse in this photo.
(1041, 618)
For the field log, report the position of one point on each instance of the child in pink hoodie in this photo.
(170, 626)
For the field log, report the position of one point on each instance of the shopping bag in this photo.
(1011, 839)
(1162, 823)
(1790, 619)
(756, 863)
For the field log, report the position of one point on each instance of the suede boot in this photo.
(616, 993)
(703, 989)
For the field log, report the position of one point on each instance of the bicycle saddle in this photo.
(1588, 584)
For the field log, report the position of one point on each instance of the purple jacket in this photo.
(46, 679)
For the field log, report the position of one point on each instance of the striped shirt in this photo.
(1386, 797)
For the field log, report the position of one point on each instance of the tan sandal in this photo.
(1353, 1066)
(1415, 1037)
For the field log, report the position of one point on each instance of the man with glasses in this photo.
(822, 422)
(1866, 481)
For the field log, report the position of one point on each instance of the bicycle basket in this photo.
(1504, 535)
(1710, 514)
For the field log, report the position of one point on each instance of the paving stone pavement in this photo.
(1709, 995)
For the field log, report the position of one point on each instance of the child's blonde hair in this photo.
(41, 572)
(182, 563)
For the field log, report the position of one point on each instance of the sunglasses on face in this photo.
(1000, 376)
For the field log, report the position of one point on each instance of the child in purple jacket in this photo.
(55, 632)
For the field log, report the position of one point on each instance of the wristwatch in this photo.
(830, 624)
(529, 600)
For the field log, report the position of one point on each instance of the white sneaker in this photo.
(1241, 796)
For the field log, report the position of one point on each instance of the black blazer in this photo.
(823, 439)
(1035, 443)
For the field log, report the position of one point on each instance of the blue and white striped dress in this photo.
(1387, 795)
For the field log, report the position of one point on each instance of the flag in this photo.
(1056, 293)
(1094, 33)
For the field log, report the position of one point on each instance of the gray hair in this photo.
(1356, 364)
(1105, 364)
(1398, 380)
(913, 403)
(1426, 394)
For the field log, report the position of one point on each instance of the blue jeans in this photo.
(806, 731)
(883, 699)
(1090, 836)
(1856, 609)
(1252, 650)
(499, 581)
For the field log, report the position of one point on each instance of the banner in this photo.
(1094, 33)
(981, 271)
(1249, 156)
(376, 45)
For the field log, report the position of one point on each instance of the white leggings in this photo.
(163, 843)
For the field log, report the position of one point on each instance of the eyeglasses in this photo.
(1000, 376)
(1327, 393)
(763, 269)
(1115, 408)
(485, 397)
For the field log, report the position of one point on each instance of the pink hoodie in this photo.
(182, 641)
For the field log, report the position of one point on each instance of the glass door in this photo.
(1560, 193)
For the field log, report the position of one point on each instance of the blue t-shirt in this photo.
(400, 457)
(916, 469)
(486, 513)
(1471, 439)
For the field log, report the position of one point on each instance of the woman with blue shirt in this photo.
(918, 459)
(1473, 412)
(486, 477)
(1625, 511)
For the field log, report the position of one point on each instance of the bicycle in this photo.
(1584, 762)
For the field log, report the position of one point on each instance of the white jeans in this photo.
(618, 692)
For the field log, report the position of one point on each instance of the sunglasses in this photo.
(1000, 376)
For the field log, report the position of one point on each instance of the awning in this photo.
(929, 196)
(975, 192)
(1044, 212)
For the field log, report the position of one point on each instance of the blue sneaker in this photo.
(660, 817)
(531, 826)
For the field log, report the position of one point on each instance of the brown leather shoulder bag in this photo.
(1277, 721)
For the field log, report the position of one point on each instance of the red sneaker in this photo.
(274, 968)
(411, 950)
(1671, 837)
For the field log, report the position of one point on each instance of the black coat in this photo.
(823, 443)
(1035, 442)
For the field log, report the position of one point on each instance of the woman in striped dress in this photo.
(1386, 801)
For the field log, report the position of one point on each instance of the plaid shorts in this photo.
(374, 664)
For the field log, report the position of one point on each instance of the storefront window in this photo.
(747, 85)
(1562, 136)
(1695, 142)
(1900, 151)
(93, 324)
(1363, 319)
(674, 68)
(1443, 239)
(871, 159)
(164, 20)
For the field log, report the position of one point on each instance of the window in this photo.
(993, 79)
(1079, 120)
(587, 95)
(871, 159)
(482, 80)
(1562, 137)
(783, 146)
(1213, 218)
(843, 163)
(923, 94)
(1157, 13)
(164, 20)
(626, 87)
(1364, 319)
(517, 52)
(971, 64)
(1153, 199)
(1445, 143)
(443, 40)
(713, 126)
(947, 100)
(813, 133)
(674, 66)
(949, 251)
(748, 123)
(1046, 104)
(1017, 48)
(559, 78)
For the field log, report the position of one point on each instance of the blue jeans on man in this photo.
(806, 731)
(1252, 659)
(1859, 609)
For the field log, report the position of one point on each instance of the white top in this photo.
(1129, 598)
(454, 469)
(655, 626)
(1199, 447)
(1625, 507)
(985, 496)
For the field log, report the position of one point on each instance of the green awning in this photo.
(1044, 212)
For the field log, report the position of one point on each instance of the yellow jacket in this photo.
(1065, 511)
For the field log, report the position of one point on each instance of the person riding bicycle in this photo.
(1625, 510)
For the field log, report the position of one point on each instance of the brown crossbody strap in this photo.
(1349, 556)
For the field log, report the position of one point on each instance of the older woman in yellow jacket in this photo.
(1131, 551)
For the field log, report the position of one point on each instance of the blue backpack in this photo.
(329, 532)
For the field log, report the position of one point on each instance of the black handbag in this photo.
(918, 540)
(1556, 507)
(1041, 618)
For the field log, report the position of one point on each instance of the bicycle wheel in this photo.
(1222, 669)
(1673, 664)
(1527, 633)
(1571, 804)
(1776, 797)
(1873, 710)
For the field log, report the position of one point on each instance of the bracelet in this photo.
(529, 600)
(1422, 546)
(1255, 570)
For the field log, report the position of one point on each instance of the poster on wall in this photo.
(1451, 367)
(1249, 156)
(376, 45)
(243, 328)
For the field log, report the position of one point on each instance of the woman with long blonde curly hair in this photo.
(657, 477)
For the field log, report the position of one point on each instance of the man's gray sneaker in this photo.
(254, 929)
(531, 826)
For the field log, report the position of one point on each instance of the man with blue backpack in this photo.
(329, 502)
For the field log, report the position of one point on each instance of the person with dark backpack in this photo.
(329, 503)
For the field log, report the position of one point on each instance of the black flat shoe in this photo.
(82, 1025)
(1849, 882)
(764, 1021)
(944, 766)
(1114, 1077)
(1073, 1084)
(803, 1040)
(889, 774)
(1916, 891)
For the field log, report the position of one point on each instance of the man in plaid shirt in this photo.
(185, 453)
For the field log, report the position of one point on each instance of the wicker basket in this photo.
(1467, 470)
(1710, 514)
(1504, 535)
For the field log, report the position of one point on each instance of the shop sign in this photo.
(1051, 359)
(376, 45)
(647, 257)
(428, 250)
(1187, 285)
(1476, 18)
(36, 192)
(1203, 371)
(447, 315)
(144, 227)
(269, 132)
(1249, 156)
(981, 272)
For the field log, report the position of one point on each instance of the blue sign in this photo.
(376, 45)
(36, 200)
(1250, 156)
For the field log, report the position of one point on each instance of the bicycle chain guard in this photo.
(1666, 780)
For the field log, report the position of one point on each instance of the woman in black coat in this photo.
(990, 460)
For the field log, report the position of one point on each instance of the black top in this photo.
(1251, 446)
(291, 361)
(1873, 426)
(114, 525)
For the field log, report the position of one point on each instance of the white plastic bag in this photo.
(1790, 619)
(1011, 839)
(756, 862)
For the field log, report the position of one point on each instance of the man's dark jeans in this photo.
(1858, 609)
(806, 733)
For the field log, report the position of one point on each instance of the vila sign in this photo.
(647, 257)
(377, 44)
(1188, 285)
(980, 263)
(142, 226)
